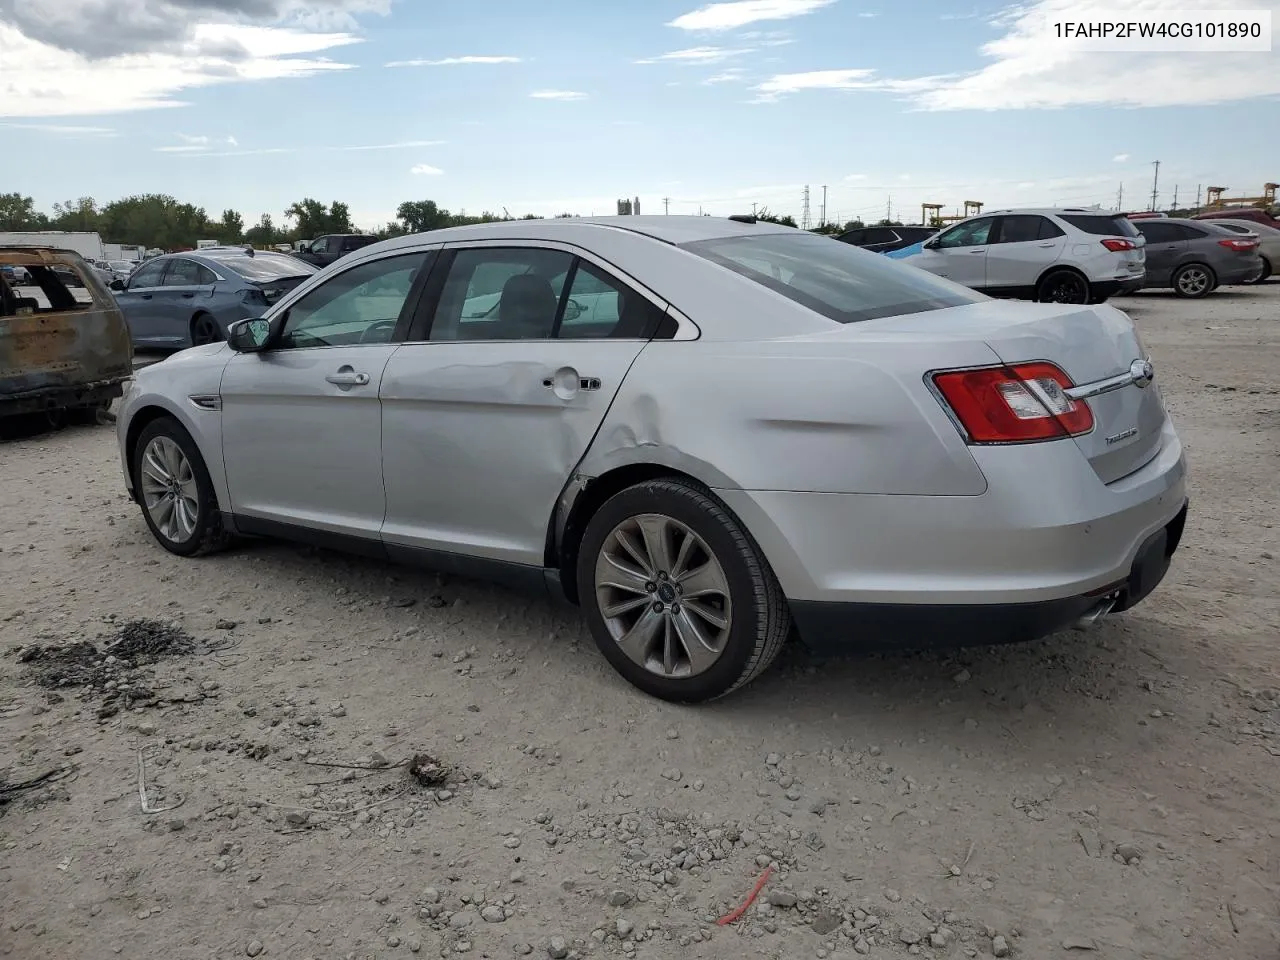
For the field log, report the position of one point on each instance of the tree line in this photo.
(160, 221)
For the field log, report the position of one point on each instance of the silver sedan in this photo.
(703, 432)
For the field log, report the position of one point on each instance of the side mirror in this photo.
(249, 336)
(573, 310)
(117, 285)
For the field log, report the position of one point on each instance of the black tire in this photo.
(1191, 281)
(1265, 274)
(1064, 286)
(205, 330)
(760, 622)
(208, 534)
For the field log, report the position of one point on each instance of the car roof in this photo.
(1051, 211)
(580, 230)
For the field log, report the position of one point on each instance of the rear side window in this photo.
(1158, 232)
(837, 280)
(44, 290)
(1100, 225)
(1195, 233)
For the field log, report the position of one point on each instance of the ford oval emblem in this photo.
(1142, 372)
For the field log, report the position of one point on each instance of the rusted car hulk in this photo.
(58, 352)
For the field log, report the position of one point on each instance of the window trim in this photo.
(430, 253)
(420, 329)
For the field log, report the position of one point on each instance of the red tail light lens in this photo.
(1024, 403)
(1119, 246)
(1239, 246)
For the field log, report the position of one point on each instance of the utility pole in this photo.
(1120, 198)
(666, 204)
(1155, 184)
(804, 213)
(753, 209)
(824, 206)
(888, 208)
(1175, 197)
(1197, 196)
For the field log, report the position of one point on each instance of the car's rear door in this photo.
(1022, 247)
(1166, 245)
(492, 403)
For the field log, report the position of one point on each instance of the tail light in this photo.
(1024, 403)
(1239, 246)
(255, 297)
(1119, 246)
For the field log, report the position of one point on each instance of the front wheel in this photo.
(1194, 280)
(678, 596)
(1064, 286)
(173, 486)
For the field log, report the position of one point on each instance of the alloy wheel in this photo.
(169, 492)
(1193, 281)
(1067, 288)
(663, 595)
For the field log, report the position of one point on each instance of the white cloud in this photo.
(856, 176)
(868, 16)
(1120, 157)
(452, 61)
(425, 169)
(728, 76)
(398, 145)
(739, 13)
(63, 129)
(1032, 69)
(558, 95)
(203, 150)
(698, 55)
(40, 80)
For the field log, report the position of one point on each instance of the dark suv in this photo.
(322, 251)
(886, 239)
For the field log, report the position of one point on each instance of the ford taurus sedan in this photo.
(704, 432)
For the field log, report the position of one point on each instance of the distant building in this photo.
(629, 208)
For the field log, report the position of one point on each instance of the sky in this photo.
(568, 105)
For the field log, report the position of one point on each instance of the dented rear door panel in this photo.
(480, 438)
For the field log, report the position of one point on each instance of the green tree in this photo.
(19, 213)
(419, 216)
(313, 219)
(340, 218)
(75, 215)
(231, 228)
(764, 216)
(853, 225)
(264, 234)
(155, 220)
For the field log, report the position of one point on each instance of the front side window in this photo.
(320, 246)
(147, 275)
(972, 234)
(836, 280)
(360, 305)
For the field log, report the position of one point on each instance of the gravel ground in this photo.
(1109, 793)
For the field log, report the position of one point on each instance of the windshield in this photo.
(1101, 225)
(837, 280)
(265, 266)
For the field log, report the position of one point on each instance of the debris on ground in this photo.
(10, 791)
(111, 667)
(428, 771)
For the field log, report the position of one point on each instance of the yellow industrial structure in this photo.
(1214, 199)
(930, 213)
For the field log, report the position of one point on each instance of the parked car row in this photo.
(1079, 255)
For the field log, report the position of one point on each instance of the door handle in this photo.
(978, 251)
(1044, 246)
(188, 296)
(145, 296)
(348, 378)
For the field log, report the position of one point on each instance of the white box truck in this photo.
(88, 245)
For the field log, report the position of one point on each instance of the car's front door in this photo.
(1166, 243)
(959, 254)
(493, 402)
(1022, 247)
(138, 303)
(302, 422)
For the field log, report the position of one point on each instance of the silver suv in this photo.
(1053, 255)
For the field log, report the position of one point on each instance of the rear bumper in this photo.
(831, 628)
(1118, 288)
(1242, 272)
(59, 397)
(1046, 539)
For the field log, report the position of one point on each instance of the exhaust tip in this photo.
(1096, 612)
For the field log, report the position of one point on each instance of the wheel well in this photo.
(140, 421)
(196, 316)
(563, 555)
(1061, 268)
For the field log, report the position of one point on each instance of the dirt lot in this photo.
(957, 805)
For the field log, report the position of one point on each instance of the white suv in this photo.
(1058, 256)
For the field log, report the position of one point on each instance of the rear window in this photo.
(44, 289)
(266, 266)
(837, 280)
(1100, 225)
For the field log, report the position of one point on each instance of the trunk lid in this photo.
(1090, 343)
(276, 288)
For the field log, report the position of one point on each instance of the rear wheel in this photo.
(173, 486)
(1194, 280)
(678, 597)
(204, 330)
(1063, 286)
(1265, 273)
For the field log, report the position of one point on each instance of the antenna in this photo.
(804, 213)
